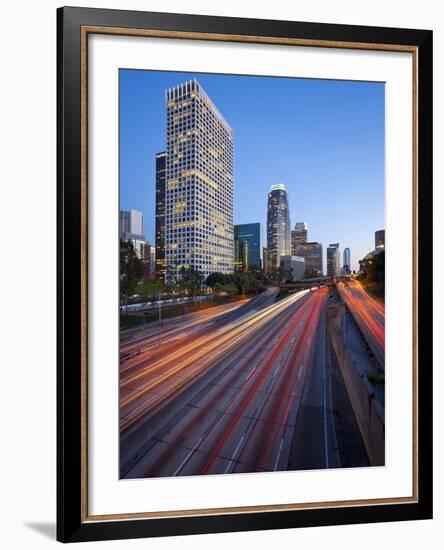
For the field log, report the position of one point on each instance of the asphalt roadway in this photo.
(240, 389)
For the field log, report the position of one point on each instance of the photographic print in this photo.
(252, 274)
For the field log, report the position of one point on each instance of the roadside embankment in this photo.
(368, 409)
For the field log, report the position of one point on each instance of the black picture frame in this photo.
(71, 524)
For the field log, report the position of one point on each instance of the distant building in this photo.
(278, 225)
(346, 264)
(292, 266)
(312, 254)
(248, 247)
(131, 222)
(380, 239)
(140, 245)
(160, 214)
(199, 186)
(333, 260)
(298, 235)
(131, 230)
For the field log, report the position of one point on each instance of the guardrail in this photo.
(164, 303)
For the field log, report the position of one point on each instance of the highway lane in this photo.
(132, 340)
(369, 314)
(251, 376)
(159, 372)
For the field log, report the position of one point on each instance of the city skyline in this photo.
(139, 147)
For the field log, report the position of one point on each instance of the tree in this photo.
(149, 290)
(372, 266)
(230, 289)
(246, 282)
(192, 280)
(221, 278)
(379, 273)
(131, 270)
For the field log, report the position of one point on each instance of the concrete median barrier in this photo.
(368, 410)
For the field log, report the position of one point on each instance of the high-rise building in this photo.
(312, 254)
(249, 257)
(131, 222)
(160, 214)
(292, 267)
(199, 186)
(333, 260)
(298, 235)
(380, 239)
(346, 264)
(278, 225)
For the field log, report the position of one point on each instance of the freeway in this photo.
(239, 393)
(369, 314)
(137, 340)
(133, 339)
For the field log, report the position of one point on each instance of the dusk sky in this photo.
(323, 139)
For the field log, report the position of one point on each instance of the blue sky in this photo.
(324, 139)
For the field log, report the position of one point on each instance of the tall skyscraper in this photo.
(312, 254)
(278, 225)
(346, 264)
(131, 222)
(160, 214)
(380, 239)
(199, 188)
(249, 234)
(298, 235)
(333, 260)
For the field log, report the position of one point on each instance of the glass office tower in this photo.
(333, 260)
(278, 226)
(346, 263)
(248, 246)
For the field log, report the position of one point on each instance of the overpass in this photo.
(308, 283)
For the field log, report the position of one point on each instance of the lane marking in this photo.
(233, 456)
(185, 460)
